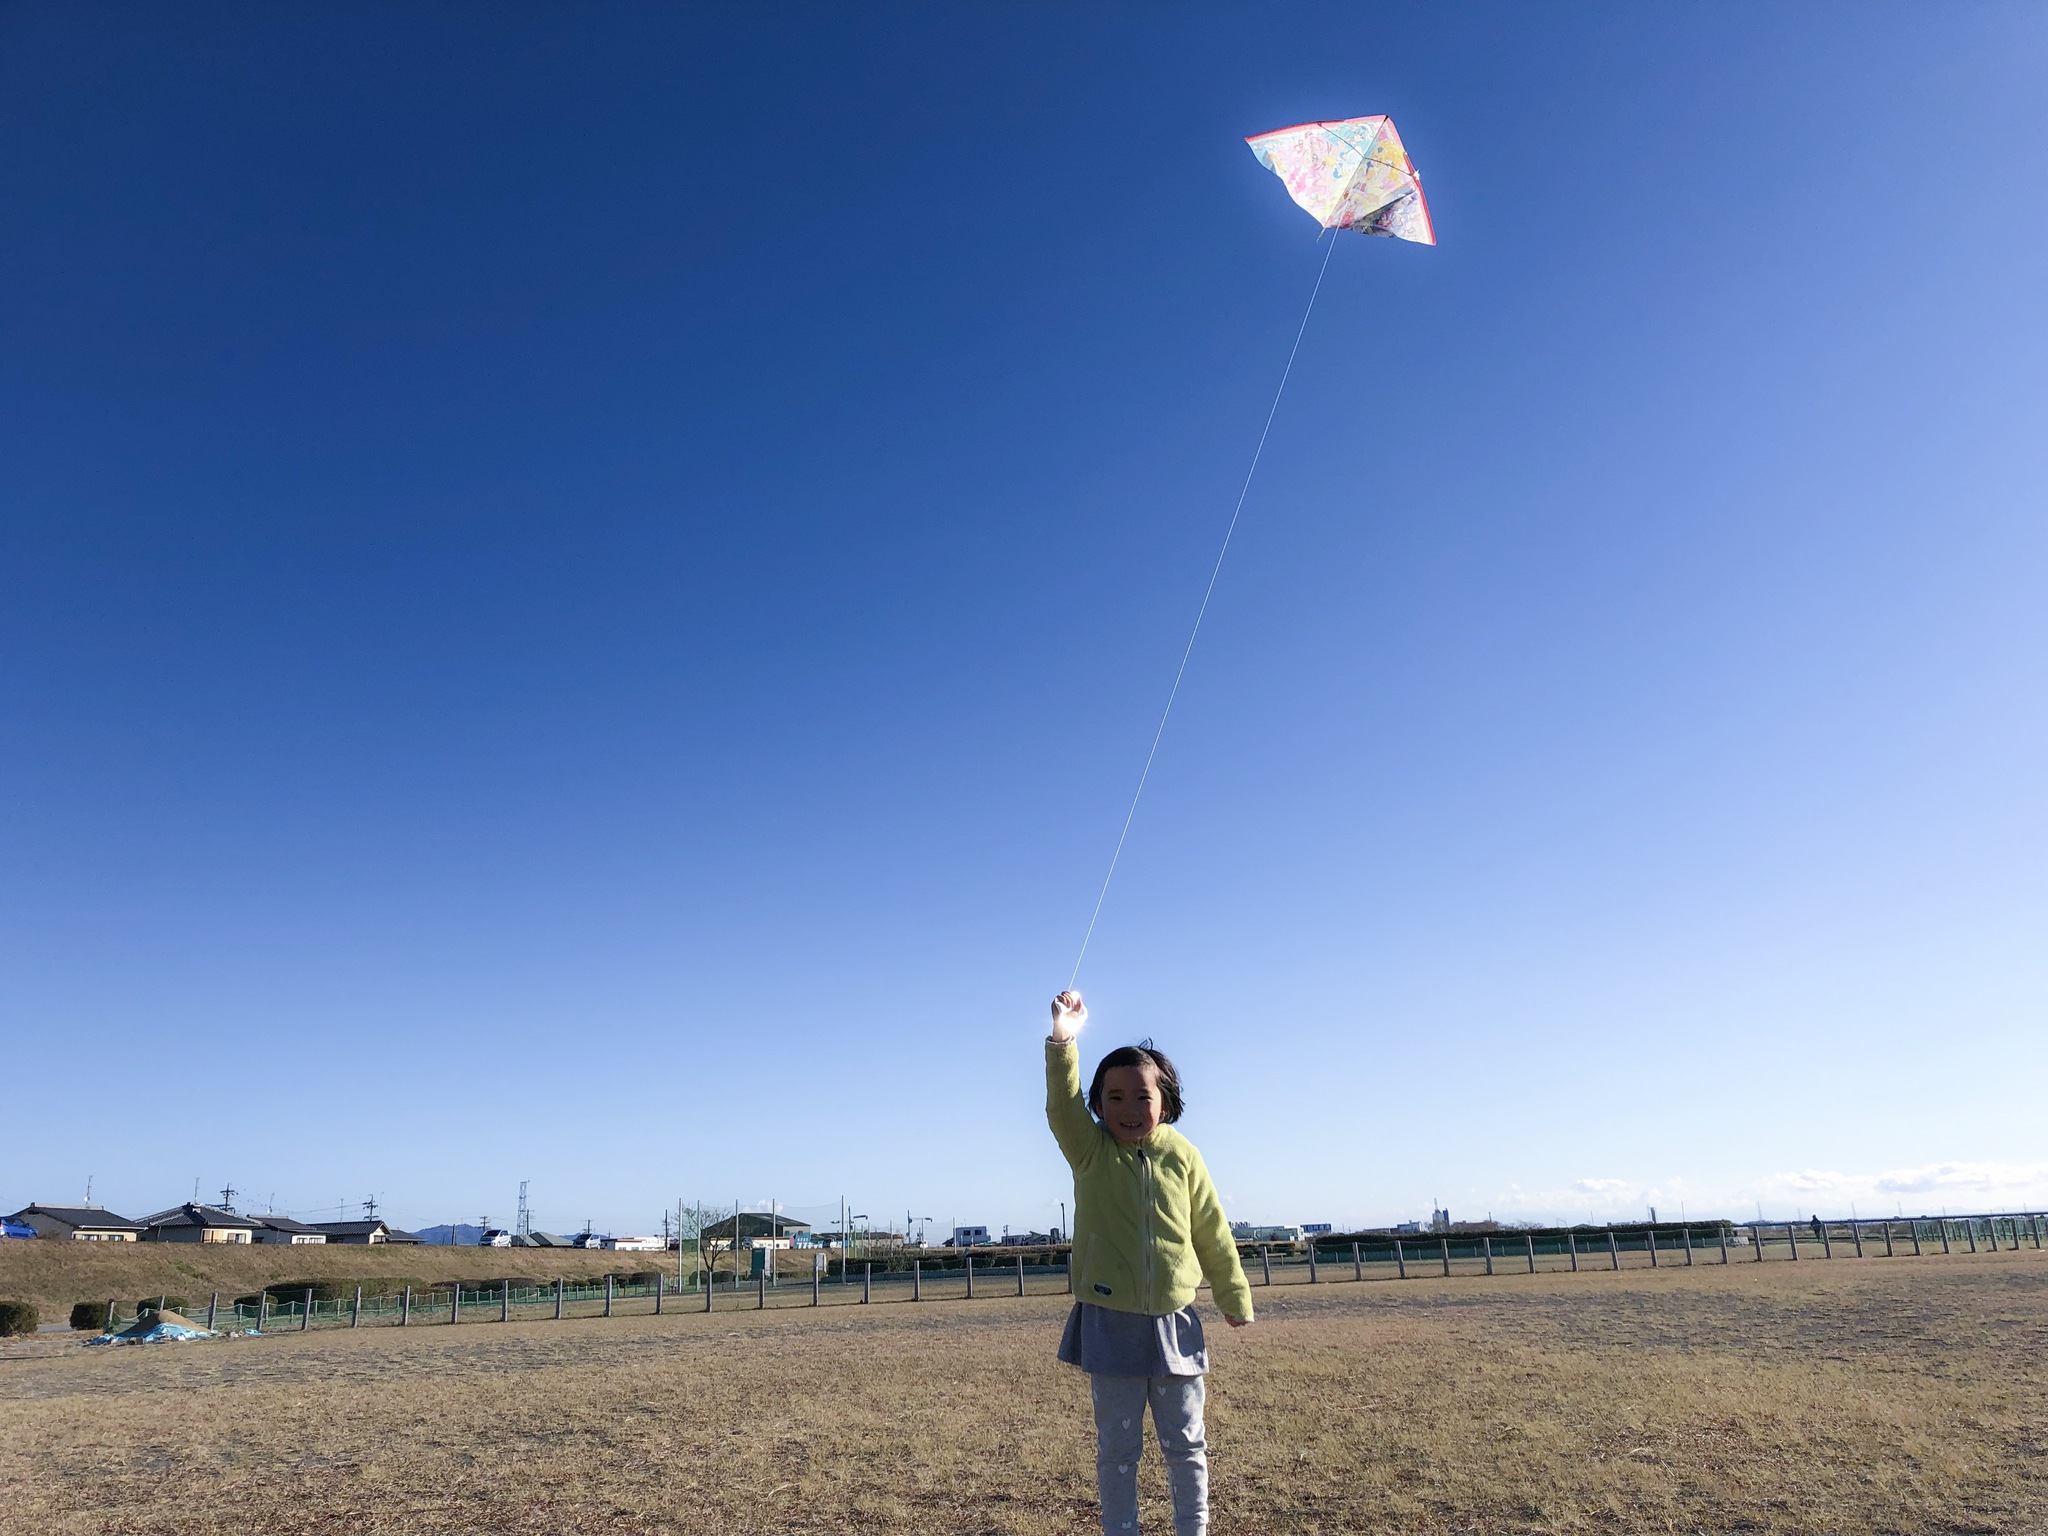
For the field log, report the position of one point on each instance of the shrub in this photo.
(90, 1316)
(18, 1317)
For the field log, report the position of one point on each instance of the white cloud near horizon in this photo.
(1955, 1186)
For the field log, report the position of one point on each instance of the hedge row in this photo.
(18, 1317)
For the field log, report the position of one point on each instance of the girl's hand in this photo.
(1238, 1322)
(1069, 1013)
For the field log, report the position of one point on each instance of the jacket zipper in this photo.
(1145, 1187)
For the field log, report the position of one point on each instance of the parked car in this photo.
(16, 1229)
(496, 1237)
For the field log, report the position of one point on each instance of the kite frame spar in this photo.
(1384, 136)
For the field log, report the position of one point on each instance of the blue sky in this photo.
(582, 594)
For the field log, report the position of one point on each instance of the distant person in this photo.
(1148, 1229)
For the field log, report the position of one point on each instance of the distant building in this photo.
(754, 1224)
(968, 1237)
(1245, 1232)
(372, 1231)
(543, 1240)
(639, 1244)
(1317, 1228)
(282, 1229)
(78, 1223)
(195, 1223)
(1407, 1228)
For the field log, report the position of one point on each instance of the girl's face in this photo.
(1131, 1103)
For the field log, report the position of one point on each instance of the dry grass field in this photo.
(1885, 1395)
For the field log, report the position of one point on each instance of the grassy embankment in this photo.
(54, 1275)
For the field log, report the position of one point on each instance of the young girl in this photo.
(1148, 1229)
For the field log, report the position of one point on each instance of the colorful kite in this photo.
(1350, 175)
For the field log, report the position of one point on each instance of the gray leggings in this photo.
(1120, 1440)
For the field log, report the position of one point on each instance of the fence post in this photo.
(1856, 1232)
(1887, 1239)
(1792, 1237)
(1721, 1231)
(1916, 1238)
(608, 1293)
(970, 1274)
(1400, 1261)
(1756, 1239)
(262, 1311)
(1070, 1269)
(1970, 1231)
(213, 1309)
(1571, 1246)
(1266, 1260)
(761, 1290)
(1529, 1242)
(558, 1298)
(405, 1307)
(867, 1282)
(1827, 1242)
(1313, 1279)
(917, 1279)
(1486, 1247)
(504, 1301)
(1650, 1235)
(355, 1311)
(814, 1284)
(1613, 1251)
(710, 1276)
(1944, 1235)
(1686, 1233)
(2034, 1226)
(455, 1302)
(1357, 1264)
(1020, 1274)
(1445, 1244)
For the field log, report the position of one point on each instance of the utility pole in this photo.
(227, 1197)
(525, 1223)
(370, 1209)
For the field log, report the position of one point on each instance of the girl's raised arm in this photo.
(1066, 1111)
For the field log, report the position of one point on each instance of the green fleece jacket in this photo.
(1148, 1228)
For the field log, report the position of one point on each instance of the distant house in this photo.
(282, 1229)
(1247, 1232)
(363, 1232)
(195, 1223)
(636, 1244)
(754, 1224)
(968, 1237)
(542, 1240)
(78, 1223)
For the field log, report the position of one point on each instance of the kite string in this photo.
(1207, 592)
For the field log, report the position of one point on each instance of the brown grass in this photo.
(53, 1275)
(1886, 1395)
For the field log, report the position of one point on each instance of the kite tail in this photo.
(1207, 592)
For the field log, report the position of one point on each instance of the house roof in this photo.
(80, 1216)
(365, 1229)
(193, 1215)
(278, 1223)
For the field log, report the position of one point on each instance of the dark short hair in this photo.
(1139, 1056)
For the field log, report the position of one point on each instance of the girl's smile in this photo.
(1132, 1105)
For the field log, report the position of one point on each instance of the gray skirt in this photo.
(1104, 1342)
